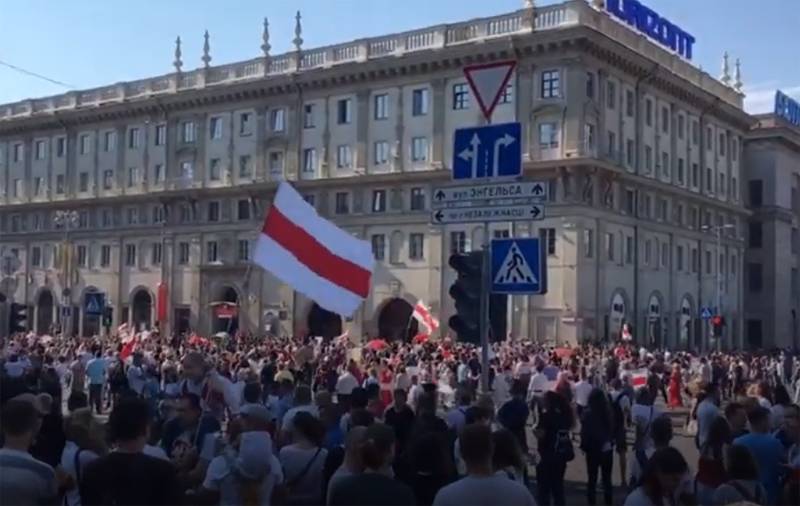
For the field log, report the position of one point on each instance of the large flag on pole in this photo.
(423, 315)
(312, 255)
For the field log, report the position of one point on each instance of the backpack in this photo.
(562, 446)
(619, 417)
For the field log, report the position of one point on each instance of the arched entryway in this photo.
(45, 311)
(142, 309)
(617, 316)
(226, 310)
(324, 323)
(395, 322)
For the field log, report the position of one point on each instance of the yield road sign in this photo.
(487, 151)
(94, 303)
(487, 82)
(514, 212)
(532, 190)
(518, 266)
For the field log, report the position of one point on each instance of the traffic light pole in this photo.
(486, 285)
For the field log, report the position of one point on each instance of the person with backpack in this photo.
(661, 432)
(621, 409)
(597, 443)
(85, 443)
(554, 444)
(743, 484)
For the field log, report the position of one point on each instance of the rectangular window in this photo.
(610, 246)
(133, 176)
(105, 255)
(589, 85)
(60, 184)
(183, 253)
(378, 246)
(611, 95)
(755, 237)
(709, 139)
(588, 135)
(188, 132)
(84, 145)
(648, 159)
(379, 201)
(61, 147)
(133, 215)
(108, 179)
(344, 111)
(39, 151)
(708, 262)
(83, 256)
(547, 236)
(244, 250)
(276, 163)
(630, 147)
(161, 135)
(755, 280)
(342, 203)
(17, 153)
(628, 249)
(158, 173)
(344, 156)
(665, 119)
(133, 138)
(417, 199)
(213, 211)
(36, 256)
(458, 242)
(679, 258)
(310, 199)
(507, 95)
(187, 213)
(681, 172)
(416, 246)
(664, 261)
(277, 120)
(681, 126)
(548, 135)
(551, 84)
(647, 251)
(381, 106)
(109, 141)
(214, 169)
(245, 124)
(588, 243)
(308, 116)
(309, 160)
(155, 253)
(419, 102)
(130, 255)
(83, 219)
(158, 214)
(38, 186)
(663, 209)
(648, 112)
(215, 128)
(381, 153)
(630, 105)
(83, 182)
(460, 96)
(419, 149)
(695, 261)
(756, 192)
(212, 251)
(243, 209)
(245, 166)
(795, 241)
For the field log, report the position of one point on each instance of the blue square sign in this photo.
(491, 151)
(94, 303)
(518, 267)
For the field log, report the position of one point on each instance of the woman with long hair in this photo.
(303, 461)
(711, 466)
(675, 387)
(553, 433)
(663, 481)
(597, 443)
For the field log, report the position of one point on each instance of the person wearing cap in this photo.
(24, 479)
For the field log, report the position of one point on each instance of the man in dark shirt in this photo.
(127, 476)
(400, 417)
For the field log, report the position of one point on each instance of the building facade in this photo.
(772, 296)
(153, 191)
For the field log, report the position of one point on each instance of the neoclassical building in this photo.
(153, 191)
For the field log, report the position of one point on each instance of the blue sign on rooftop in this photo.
(787, 108)
(651, 24)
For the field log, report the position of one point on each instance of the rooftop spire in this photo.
(206, 51)
(265, 47)
(726, 71)
(178, 63)
(298, 30)
(737, 85)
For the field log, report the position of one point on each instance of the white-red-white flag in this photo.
(312, 255)
(423, 315)
(639, 378)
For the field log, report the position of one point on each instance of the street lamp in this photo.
(66, 220)
(718, 231)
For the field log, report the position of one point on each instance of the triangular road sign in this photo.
(515, 269)
(488, 81)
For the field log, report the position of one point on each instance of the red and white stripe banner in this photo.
(423, 315)
(312, 255)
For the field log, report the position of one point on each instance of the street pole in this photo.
(719, 282)
(484, 309)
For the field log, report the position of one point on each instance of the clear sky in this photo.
(88, 43)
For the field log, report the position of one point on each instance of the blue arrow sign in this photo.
(518, 267)
(94, 303)
(487, 151)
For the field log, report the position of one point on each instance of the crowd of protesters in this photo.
(264, 420)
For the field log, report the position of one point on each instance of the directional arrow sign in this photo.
(530, 190)
(520, 212)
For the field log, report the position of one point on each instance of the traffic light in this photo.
(717, 324)
(18, 319)
(108, 316)
(466, 293)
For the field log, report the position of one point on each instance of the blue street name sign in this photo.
(518, 267)
(492, 151)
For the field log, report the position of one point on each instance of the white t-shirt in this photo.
(582, 390)
(484, 491)
(73, 496)
(220, 477)
(538, 384)
(346, 383)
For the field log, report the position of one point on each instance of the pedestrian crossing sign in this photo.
(518, 267)
(95, 301)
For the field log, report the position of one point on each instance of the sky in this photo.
(90, 43)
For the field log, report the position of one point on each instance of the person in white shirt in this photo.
(537, 388)
(582, 390)
(482, 486)
(346, 383)
(643, 413)
(456, 417)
